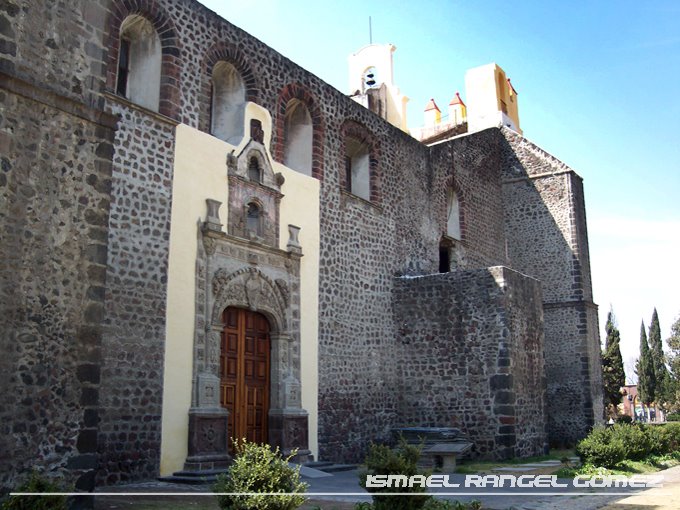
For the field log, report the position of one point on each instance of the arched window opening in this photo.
(452, 214)
(228, 103)
(254, 219)
(298, 138)
(139, 62)
(254, 173)
(357, 168)
(370, 78)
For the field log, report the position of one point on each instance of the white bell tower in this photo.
(371, 83)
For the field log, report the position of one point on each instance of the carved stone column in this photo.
(288, 422)
(208, 442)
(208, 421)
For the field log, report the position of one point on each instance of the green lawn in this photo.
(486, 466)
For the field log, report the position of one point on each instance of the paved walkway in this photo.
(339, 489)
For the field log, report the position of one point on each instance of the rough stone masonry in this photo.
(505, 346)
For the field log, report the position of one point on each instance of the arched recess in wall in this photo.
(253, 215)
(143, 48)
(360, 171)
(452, 213)
(455, 223)
(226, 79)
(139, 62)
(299, 131)
(228, 103)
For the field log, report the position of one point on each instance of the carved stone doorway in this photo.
(245, 353)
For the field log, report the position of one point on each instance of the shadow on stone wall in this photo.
(546, 234)
(470, 349)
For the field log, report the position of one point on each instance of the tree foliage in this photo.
(613, 375)
(663, 391)
(645, 370)
(673, 343)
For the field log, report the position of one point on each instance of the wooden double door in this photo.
(244, 373)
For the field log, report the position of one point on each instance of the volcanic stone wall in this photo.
(55, 183)
(69, 51)
(474, 170)
(470, 351)
(363, 244)
(547, 239)
(134, 330)
(57, 44)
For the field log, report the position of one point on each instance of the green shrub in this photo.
(36, 483)
(608, 447)
(665, 438)
(672, 431)
(601, 448)
(257, 468)
(637, 440)
(673, 417)
(659, 440)
(382, 460)
(624, 419)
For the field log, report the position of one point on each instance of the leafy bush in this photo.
(36, 483)
(636, 439)
(257, 468)
(665, 439)
(624, 419)
(382, 460)
(601, 448)
(607, 447)
(673, 417)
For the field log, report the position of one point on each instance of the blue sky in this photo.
(598, 85)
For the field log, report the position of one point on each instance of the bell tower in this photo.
(371, 83)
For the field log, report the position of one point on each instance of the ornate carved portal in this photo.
(242, 272)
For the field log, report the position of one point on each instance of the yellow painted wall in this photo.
(485, 87)
(200, 172)
(300, 207)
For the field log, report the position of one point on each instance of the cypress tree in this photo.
(661, 375)
(613, 375)
(673, 343)
(645, 370)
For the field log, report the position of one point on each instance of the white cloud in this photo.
(635, 268)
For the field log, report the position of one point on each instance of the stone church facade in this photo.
(200, 239)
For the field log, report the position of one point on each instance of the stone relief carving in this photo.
(210, 437)
(253, 291)
(295, 433)
(250, 288)
(220, 279)
(283, 288)
(210, 245)
(214, 348)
